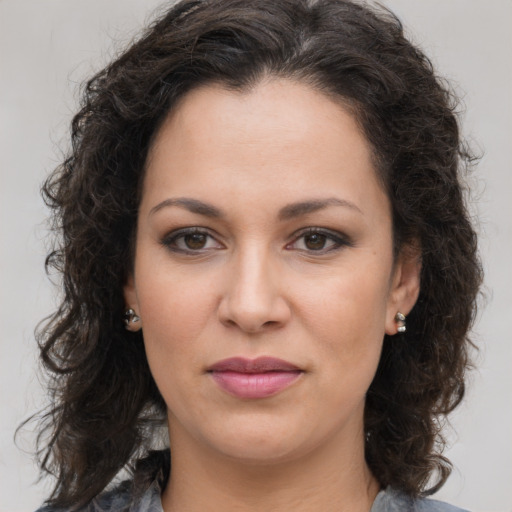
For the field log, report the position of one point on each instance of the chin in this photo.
(260, 443)
(264, 453)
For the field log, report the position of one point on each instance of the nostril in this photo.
(253, 308)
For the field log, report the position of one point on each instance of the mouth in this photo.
(254, 378)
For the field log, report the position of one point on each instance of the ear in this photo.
(130, 295)
(405, 285)
(132, 319)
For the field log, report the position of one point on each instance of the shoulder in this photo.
(120, 499)
(390, 500)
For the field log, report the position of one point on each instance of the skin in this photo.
(252, 284)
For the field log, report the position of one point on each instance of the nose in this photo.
(253, 299)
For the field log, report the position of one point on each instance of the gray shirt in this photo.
(121, 499)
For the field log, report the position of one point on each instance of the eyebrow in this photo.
(304, 207)
(192, 205)
(288, 212)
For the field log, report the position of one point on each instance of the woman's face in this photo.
(263, 232)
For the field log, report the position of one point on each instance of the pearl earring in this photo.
(131, 320)
(400, 320)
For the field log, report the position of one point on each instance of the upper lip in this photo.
(258, 365)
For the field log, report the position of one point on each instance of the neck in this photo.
(333, 478)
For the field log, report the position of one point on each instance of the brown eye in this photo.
(315, 241)
(191, 241)
(195, 241)
(319, 241)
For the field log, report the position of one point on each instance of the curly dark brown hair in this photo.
(105, 403)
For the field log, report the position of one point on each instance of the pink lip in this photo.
(254, 378)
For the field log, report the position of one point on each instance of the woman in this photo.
(265, 249)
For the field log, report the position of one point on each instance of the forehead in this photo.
(278, 135)
(290, 109)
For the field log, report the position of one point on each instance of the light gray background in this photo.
(47, 47)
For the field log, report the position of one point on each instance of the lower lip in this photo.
(255, 385)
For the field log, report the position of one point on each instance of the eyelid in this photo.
(341, 240)
(168, 240)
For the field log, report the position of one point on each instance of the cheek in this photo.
(352, 303)
(174, 319)
(174, 311)
(346, 316)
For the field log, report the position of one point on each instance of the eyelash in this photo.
(170, 240)
(338, 240)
